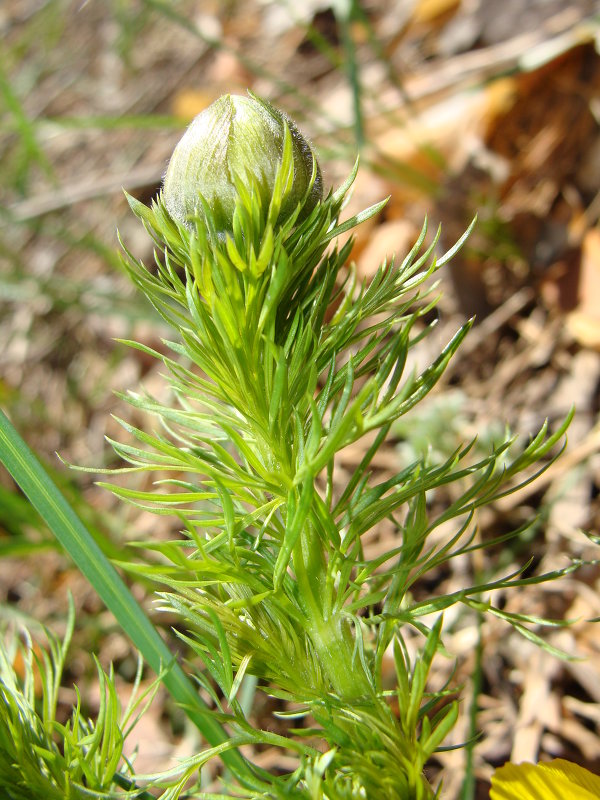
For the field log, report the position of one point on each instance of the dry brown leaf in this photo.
(584, 321)
(389, 240)
(428, 11)
(188, 103)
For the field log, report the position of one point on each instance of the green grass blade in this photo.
(346, 13)
(32, 151)
(79, 544)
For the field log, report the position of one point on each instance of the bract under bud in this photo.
(237, 138)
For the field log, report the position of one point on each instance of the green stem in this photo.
(331, 637)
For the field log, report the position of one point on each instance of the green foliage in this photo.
(280, 362)
(42, 757)
(76, 540)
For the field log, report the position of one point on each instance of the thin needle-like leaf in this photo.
(81, 547)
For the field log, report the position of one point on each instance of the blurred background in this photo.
(457, 108)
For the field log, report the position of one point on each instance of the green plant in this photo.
(280, 361)
(42, 757)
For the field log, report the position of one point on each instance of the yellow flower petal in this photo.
(552, 780)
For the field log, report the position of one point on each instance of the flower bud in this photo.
(236, 138)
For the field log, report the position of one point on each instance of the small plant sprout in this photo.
(279, 359)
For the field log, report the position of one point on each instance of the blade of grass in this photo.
(346, 12)
(32, 151)
(79, 544)
(102, 122)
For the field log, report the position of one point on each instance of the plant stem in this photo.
(331, 637)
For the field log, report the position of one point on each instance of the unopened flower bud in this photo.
(236, 138)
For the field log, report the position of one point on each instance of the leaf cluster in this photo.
(281, 361)
(41, 756)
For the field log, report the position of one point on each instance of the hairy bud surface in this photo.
(237, 139)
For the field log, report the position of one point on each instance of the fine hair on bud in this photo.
(238, 139)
